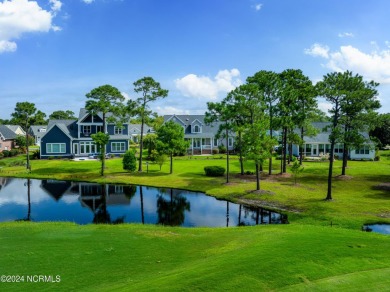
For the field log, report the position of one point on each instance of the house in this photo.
(135, 131)
(37, 132)
(202, 137)
(72, 138)
(18, 130)
(7, 138)
(319, 145)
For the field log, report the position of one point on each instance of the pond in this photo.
(379, 228)
(83, 203)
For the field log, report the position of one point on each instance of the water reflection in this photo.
(83, 203)
(379, 228)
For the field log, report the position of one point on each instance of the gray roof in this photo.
(188, 120)
(69, 127)
(137, 127)
(14, 128)
(84, 112)
(7, 133)
(35, 130)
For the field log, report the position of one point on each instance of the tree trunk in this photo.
(27, 148)
(284, 150)
(331, 159)
(227, 154)
(103, 152)
(300, 148)
(241, 160)
(345, 159)
(171, 167)
(141, 142)
(257, 177)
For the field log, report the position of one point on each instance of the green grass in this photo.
(306, 255)
(149, 258)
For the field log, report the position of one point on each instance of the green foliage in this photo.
(296, 169)
(36, 154)
(21, 140)
(129, 161)
(382, 130)
(160, 159)
(170, 139)
(150, 142)
(222, 149)
(62, 115)
(214, 170)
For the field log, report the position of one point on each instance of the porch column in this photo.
(192, 146)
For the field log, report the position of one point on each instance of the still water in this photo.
(83, 203)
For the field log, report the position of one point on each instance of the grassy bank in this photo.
(358, 197)
(149, 258)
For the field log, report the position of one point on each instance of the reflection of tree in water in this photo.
(101, 215)
(171, 211)
(262, 216)
(28, 184)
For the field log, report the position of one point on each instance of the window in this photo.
(87, 147)
(215, 142)
(0, 145)
(118, 146)
(206, 141)
(87, 130)
(230, 142)
(363, 150)
(99, 129)
(118, 130)
(196, 143)
(55, 148)
(118, 190)
(196, 129)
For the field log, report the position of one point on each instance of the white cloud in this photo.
(373, 66)
(318, 50)
(170, 110)
(346, 35)
(88, 1)
(18, 17)
(6, 46)
(206, 88)
(324, 106)
(258, 6)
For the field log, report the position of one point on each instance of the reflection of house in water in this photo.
(4, 181)
(92, 195)
(261, 216)
(56, 188)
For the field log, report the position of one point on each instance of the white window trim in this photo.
(118, 143)
(118, 130)
(200, 129)
(49, 148)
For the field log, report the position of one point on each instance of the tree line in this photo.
(254, 111)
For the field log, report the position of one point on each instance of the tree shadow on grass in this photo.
(51, 171)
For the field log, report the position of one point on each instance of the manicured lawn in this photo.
(307, 255)
(150, 258)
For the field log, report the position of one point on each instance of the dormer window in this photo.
(196, 129)
(118, 131)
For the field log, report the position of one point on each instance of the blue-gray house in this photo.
(72, 138)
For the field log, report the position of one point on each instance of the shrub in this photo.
(249, 172)
(35, 155)
(215, 151)
(1, 155)
(14, 152)
(222, 149)
(129, 161)
(6, 153)
(17, 163)
(214, 170)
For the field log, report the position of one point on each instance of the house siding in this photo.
(6, 145)
(55, 135)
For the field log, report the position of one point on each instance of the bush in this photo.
(14, 152)
(6, 153)
(215, 151)
(222, 149)
(248, 172)
(17, 163)
(37, 155)
(1, 155)
(214, 170)
(129, 161)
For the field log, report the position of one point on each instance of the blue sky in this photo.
(53, 52)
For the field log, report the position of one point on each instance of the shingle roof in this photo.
(84, 112)
(69, 127)
(188, 120)
(137, 128)
(35, 130)
(7, 133)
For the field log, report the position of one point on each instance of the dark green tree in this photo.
(268, 83)
(129, 161)
(170, 140)
(221, 112)
(107, 101)
(382, 130)
(62, 115)
(150, 141)
(24, 113)
(150, 91)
